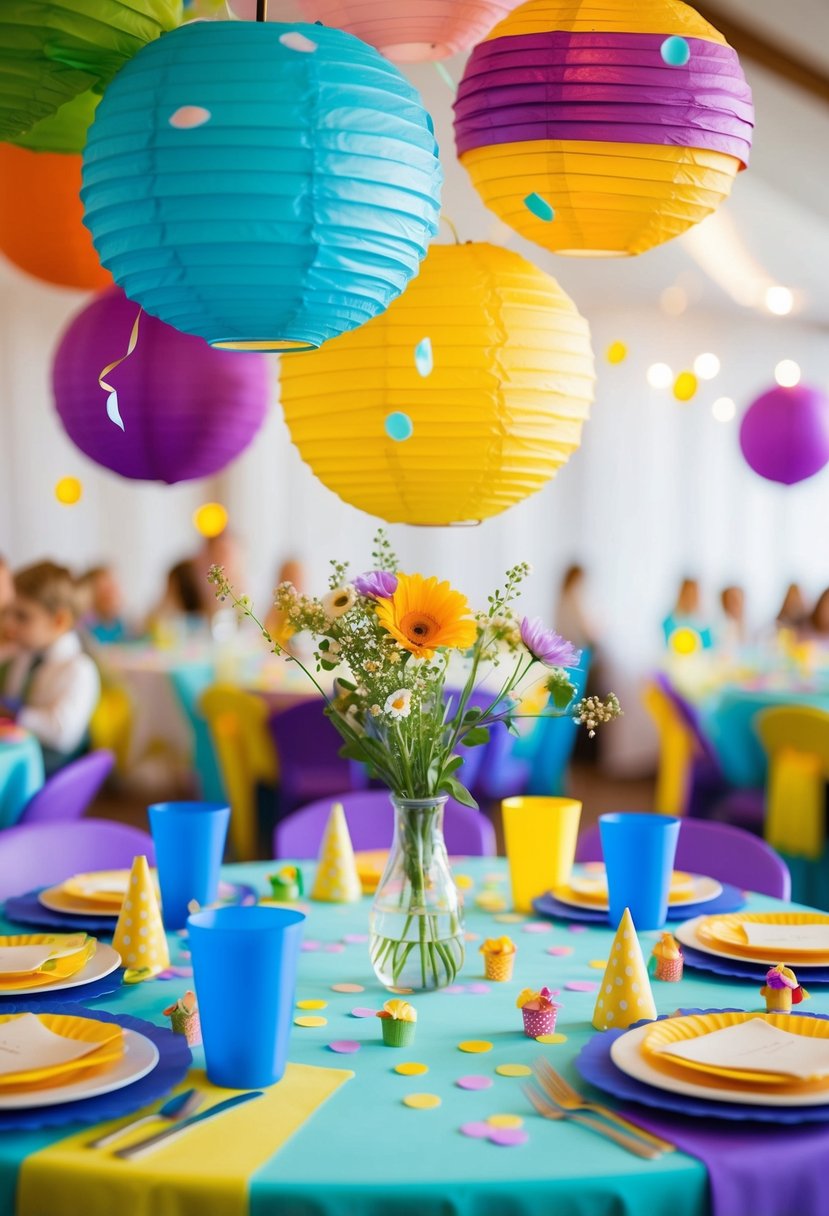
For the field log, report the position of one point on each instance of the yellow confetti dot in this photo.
(210, 519)
(421, 1101)
(505, 1121)
(464, 881)
(411, 1070)
(403, 991)
(68, 491)
(510, 918)
(310, 1021)
(598, 963)
(513, 1070)
(312, 1004)
(475, 1046)
(551, 1038)
(488, 901)
(616, 352)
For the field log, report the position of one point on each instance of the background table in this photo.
(21, 775)
(366, 1153)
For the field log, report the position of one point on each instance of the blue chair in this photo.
(188, 684)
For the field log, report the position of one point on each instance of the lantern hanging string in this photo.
(261, 10)
(451, 226)
(112, 400)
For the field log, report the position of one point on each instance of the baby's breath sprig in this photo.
(338, 575)
(592, 712)
(501, 599)
(383, 555)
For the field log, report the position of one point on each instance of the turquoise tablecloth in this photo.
(727, 717)
(21, 775)
(366, 1154)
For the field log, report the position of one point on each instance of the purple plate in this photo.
(172, 1067)
(730, 899)
(83, 993)
(28, 910)
(595, 1065)
(734, 967)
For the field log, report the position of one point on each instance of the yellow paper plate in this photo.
(107, 1035)
(590, 889)
(106, 887)
(725, 933)
(370, 866)
(56, 969)
(694, 1026)
(56, 899)
(63, 943)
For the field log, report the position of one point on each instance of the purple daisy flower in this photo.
(376, 585)
(546, 645)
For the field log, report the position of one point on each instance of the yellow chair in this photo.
(111, 724)
(237, 721)
(677, 750)
(796, 742)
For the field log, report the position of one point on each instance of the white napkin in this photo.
(781, 938)
(26, 1043)
(758, 1046)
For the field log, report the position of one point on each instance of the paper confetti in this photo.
(355, 939)
(475, 1046)
(295, 41)
(344, 1047)
(309, 945)
(537, 926)
(598, 964)
(421, 1101)
(510, 918)
(362, 1012)
(347, 988)
(312, 1004)
(577, 928)
(581, 985)
(508, 1137)
(551, 1038)
(559, 951)
(425, 364)
(539, 207)
(474, 1082)
(505, 1121)
(476, 1131)
(513, 1070)
(478, 989)
(411, 1069)
(310, 1021)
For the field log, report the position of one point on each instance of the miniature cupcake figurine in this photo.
(668, 957)
(399, 1021)
(184, 1018)
(781, 990)
(539, 1011)
(286, 884)
(499, 958)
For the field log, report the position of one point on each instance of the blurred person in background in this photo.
(181, 607)
(687, 615)
(103, 620)
(732, 633)
(819, 620)
(793, 612)
(291, 571)
(572, 620)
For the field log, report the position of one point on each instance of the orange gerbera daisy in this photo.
(424, 614)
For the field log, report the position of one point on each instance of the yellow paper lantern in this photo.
(462, 399)
(594, 128)
(210, 519)
(68, 491)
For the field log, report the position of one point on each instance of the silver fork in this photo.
(548, 1111)
(174, 1109)
(563, 1094)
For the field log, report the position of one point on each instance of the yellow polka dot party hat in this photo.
(139, 934)
(625, 995)
(337, 880)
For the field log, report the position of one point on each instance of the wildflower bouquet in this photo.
(387, 639)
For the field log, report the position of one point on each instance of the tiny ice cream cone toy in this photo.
(781, 990)
(499, 958)
(184, 1018)
(286, 884)
(669, 960)
(539, 1011)
(399, 1021)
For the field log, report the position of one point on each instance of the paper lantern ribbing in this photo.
(461, 400)
(52, 50)
(264, 186)
(784, 434)
(187, 410)
(415, 30)
(583, 131)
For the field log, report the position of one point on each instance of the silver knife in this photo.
(150, 1142)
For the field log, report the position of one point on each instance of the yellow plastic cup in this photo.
(540, 836)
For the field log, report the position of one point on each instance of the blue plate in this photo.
(595, 1065)
(28, 910)
(736, 968)
(730, 899)
(84, 992)
(172, 1067)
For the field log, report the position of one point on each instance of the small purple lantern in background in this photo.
(784, 434)
(188, 410)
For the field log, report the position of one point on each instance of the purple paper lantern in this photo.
(784, 434)
(188, 410)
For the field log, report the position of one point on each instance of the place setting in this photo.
(33, 967)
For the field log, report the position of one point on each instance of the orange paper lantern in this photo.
(41, 219)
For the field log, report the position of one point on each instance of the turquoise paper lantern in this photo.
(263, 186)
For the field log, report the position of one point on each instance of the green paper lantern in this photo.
(53, 50)
(65, 130)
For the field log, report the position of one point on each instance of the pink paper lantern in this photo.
(784, 434)
(188, 410)
(405, 31)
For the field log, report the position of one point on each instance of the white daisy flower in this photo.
(399, 704)
(337, 602)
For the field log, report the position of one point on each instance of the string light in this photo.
(724, 409)
(674, 300)
(787, 373)
(707, 366)
(210, 519)
(616, 352)
(68, 491)
(659, 375)
(779, 300)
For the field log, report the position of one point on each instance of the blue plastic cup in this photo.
(244, 966)
(639, 853)
(189, 840)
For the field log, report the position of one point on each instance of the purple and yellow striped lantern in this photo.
(603, 128)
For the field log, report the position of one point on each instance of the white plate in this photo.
(686, 933)
(703, 889)
(140, 1057)
(104, 961)
(626, 1053)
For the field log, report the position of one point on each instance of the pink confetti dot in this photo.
(333, 948)
(471, 937)
(345, 1047)
(347, 988)
(536, 926)
(310, 945)
(581, 985)
(354, 939)
(478, 989)
(453, 989)
(474, 1081)
(577, 928)
(477, 1131)
(508, 1137)
(559, 951)
(362, 1012)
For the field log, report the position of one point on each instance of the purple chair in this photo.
(41, 854)
(68, 793)
(310, 766)
(370, 821)
(718, 850)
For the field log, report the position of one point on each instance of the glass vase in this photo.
(416, 922)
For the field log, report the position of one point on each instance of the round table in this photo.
(365, 1153)
(728, 715)
(21, 774)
